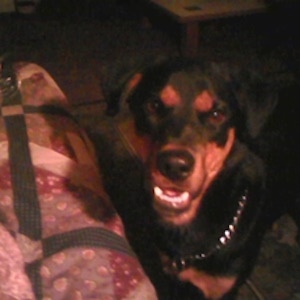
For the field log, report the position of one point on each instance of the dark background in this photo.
(78, 41)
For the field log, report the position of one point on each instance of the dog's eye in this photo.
(217, 116)
(154, 105)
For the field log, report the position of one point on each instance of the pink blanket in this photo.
(60, 237)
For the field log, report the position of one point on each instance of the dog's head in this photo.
(193, 114)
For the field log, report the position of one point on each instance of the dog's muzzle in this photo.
(175, 164)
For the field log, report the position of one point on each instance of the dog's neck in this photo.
(175, 265)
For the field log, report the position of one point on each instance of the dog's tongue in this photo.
(171, 197)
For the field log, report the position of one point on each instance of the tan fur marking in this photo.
(216, 156)
(213, 287)
(204, 101)
(134, 80)
(169, 96)
(131, 84)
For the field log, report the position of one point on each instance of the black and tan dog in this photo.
(220, 154)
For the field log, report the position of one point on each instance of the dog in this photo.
(220, 155)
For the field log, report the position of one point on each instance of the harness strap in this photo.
(91, 236)
(25, 195)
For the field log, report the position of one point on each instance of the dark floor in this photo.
(80, 46)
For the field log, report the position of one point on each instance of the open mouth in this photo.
(172, 199)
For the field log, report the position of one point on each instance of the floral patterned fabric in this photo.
(14, 284)
(79, 249)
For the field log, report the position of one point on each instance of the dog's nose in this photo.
(175, 164)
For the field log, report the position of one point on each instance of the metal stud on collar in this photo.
(181, 263)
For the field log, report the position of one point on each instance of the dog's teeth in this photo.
(172, 197)
(185, 196)
(158, 191)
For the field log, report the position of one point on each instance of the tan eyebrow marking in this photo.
(204, 101)
(170, 96)
(134, 81)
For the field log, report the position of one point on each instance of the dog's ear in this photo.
(130, 86)
(116, 97)
(256, 98)
(121, 78)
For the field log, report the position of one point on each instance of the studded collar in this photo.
(178, 264)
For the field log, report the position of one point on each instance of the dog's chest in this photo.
(213, 287)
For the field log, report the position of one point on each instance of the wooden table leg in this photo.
(190, 39)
